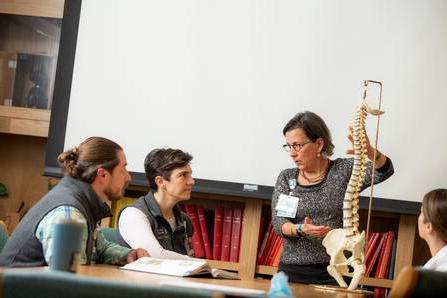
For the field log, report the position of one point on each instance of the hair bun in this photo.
(73, 154)
(68, 161)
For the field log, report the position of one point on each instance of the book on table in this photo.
(187, 267)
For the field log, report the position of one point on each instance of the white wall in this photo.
(220, 79)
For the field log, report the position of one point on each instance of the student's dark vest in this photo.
(168, 239)
(23, 249)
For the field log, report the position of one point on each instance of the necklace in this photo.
(315, 179)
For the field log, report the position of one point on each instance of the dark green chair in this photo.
(418, 282)
(57, 284)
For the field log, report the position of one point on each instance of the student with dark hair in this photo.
(314, 189)
(155, 221)
(94, 172)
(432, 225)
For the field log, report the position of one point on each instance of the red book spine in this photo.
(268, 247)
(372, 261)
(264, 244)
(197, 243)
(273, 251)
(226, 234)
(205, 235)
(371, 246)
(236, 235)
(384, 266)
(217, 238)
(381, 253)
(277, 258)
(379, 292)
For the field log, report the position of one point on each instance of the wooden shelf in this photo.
(224, 265)
(406, 226)
(367, 281)
(376, 282)
(24, 121)
(269, 270)
(41, 8)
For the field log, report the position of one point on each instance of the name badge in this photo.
(287, 206)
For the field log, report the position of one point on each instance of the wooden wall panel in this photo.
(22, 161)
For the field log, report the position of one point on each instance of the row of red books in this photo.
(224, 243)
(271, 248)
(379, 254)
(380, 257)
(226, 236)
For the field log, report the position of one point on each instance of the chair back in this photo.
(116, 207)
(55, 284)
(3, 235)
(418, 282)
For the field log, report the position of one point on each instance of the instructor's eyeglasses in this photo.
(296, 146)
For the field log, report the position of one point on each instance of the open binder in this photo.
(189, 267)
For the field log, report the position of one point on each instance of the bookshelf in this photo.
(404, 225)
(249, 234)
(384, 218)
(24, 131)
(29, 45)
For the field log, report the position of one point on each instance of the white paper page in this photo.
(166, 266)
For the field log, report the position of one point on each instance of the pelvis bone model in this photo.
(337, 241)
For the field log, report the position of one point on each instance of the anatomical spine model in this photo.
(349, 238)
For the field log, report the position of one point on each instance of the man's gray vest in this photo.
(23, 249)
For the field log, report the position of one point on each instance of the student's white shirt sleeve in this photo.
(438, 262)
(136, 230)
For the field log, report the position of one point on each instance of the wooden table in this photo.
(114, 273)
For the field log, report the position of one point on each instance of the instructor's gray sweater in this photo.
(323, 202)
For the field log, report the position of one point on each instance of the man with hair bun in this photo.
(94, 172)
